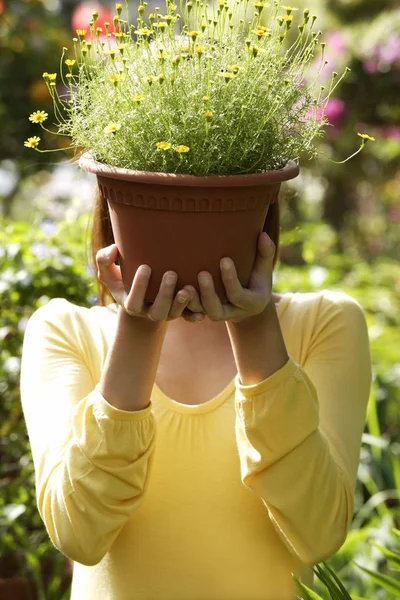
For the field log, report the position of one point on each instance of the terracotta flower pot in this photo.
(186, 223)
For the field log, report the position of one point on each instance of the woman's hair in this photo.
(102, 236)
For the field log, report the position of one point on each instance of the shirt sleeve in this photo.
(299, 433)
(92, 461)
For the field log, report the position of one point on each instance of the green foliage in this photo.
(34, 268)
(30, 36)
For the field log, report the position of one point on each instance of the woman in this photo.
(206, 461)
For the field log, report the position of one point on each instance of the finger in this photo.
(181, 301)
(109, 273)
(191, 317)
(263, 264)
(135, 302)
(209, 299)
(159, 310)
(194, 304)
(235, 293)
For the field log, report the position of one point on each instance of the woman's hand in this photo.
(166, 307)
(243, 302)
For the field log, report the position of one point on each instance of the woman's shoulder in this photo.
(324, 300)
(323, 312)
(72, 320)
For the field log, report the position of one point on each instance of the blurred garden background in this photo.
(340, 230)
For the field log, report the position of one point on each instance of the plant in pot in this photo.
(191, 134)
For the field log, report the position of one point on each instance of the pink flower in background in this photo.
(391, 131)
(385, 55)
(336, 48)
(336, 42)
(335, 111)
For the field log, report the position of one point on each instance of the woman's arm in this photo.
(130, 370)
(92, 459)
(299, 430)
(255, 338)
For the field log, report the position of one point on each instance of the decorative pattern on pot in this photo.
(186, 223)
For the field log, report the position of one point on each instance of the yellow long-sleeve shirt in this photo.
(219, 501)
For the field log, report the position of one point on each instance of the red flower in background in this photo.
(82, 16)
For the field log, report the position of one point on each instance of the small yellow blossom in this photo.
(70, 62)
(163, 145)
(206, 98)
(234, 68)
(144, 31)
(115, 79)
(289, 9)
(39, 116)
(366, 137)
(161, 78)
(51, 76)
(112, 127)
(200, 50)
(81, 33)
(121, 47)
(227, 76)
(194, 34)
(244, 106)
(260, 6)
(118, 8)
(138, 97)
(209, 114)
(99, 31)
(150, 79)
(32, 142)
(160, 25)
(181, 148)
(288, 18)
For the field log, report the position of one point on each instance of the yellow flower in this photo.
(81, 33)
(200, 50)
(289, 9)
(138, 97)
(163, 145)
(182, 148)
(288, 18)
(234, 68)
(69, 62)
(194, 34)
(206, 98)
(121, 47)
(144, 31)
(227, 76)
(112, 127)
(150, 79)
(244, 106)
(51, 76)
(32, 142)
(118, 8)
(365, 137)
(209, 114)
(39, 116)
(160, 25)
(115, 79)
(260, 5)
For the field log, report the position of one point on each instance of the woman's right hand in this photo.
(167, 305)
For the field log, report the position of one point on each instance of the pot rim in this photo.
(289, 171)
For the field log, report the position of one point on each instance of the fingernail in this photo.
(171, 279)
(226, 263)
(199, 317)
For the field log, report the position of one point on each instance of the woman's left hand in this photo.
(243, 302)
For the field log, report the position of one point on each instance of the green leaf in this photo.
(388, 583)
(307, 594)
